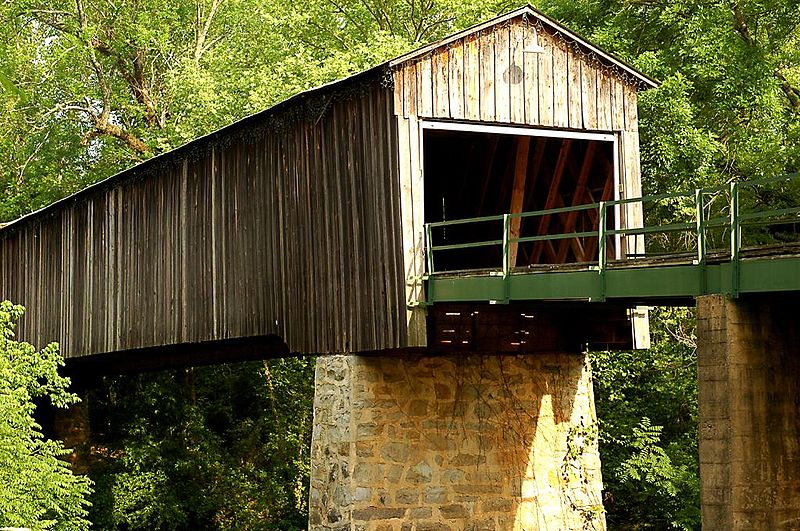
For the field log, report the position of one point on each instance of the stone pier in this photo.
(455, 442)
(749, 400)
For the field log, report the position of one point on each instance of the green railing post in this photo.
(429, 247)
(701, 237)
(506, 264)
(601, 249)
(701, 226)
(736, 237)
(429, 257)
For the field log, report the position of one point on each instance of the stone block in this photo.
(396, 452)
(421, 473)
(378, 513)
(420, 513)
(406, 496)
(503, 505)
(454, 511)
(435, 495)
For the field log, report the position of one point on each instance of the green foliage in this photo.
(37, 489)
(647, 405)
(222, 447)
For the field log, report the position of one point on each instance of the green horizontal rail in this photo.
(601, 282)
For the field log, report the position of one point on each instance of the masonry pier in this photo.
(482, 442)
(749, 400)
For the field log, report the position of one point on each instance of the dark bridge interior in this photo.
(472, 174)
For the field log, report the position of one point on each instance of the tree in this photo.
(37, 488)
(223, 447)
(647, 409)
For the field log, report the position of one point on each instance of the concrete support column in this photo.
(749, 399)
(458, 442)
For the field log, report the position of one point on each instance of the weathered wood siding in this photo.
(485, 77)
(288, 225)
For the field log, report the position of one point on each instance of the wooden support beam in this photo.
(518, 194)
(577, 199)
(544, 221)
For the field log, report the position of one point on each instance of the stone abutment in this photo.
(455, 442)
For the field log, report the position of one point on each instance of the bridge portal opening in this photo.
(474, 171)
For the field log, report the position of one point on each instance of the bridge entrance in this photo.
(480, 171)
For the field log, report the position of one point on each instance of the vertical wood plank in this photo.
(560, 84)
(456, 80)
(410, 79)
(589, 88)
(502, 80)
(634, 214)
(399, 92)
(516, 74)
(545, 79)
(425, 87)
(472, 109)
(417, 335)
(631, 112)
(441, 88)
(574, 91)
(531, 77)
(617, 106)
(486, 57)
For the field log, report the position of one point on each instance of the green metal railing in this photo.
(717, 210)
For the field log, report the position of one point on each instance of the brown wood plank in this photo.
(502, 74)
(575, 94)
(560, 84)
(410, 80)
(425, 87)
(518, 194)
(472, 110)
(486, 71)
(455, 67)
(441, 88)
(631, 112)
(530, 67)
(399, 92)
(605, 89)
(516, 73)
(589, 88)
(546, 84)
(617, 106)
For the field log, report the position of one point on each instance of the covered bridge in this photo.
(302, 226)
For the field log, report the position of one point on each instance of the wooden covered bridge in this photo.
(478, 196)
(305, 222)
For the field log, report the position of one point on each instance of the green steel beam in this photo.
(639, 283)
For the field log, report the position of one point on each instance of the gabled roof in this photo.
(643, 80)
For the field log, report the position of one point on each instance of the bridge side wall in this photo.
(455, 442)
(749, 400)
(286, 224)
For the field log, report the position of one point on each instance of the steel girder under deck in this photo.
(645, 285)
